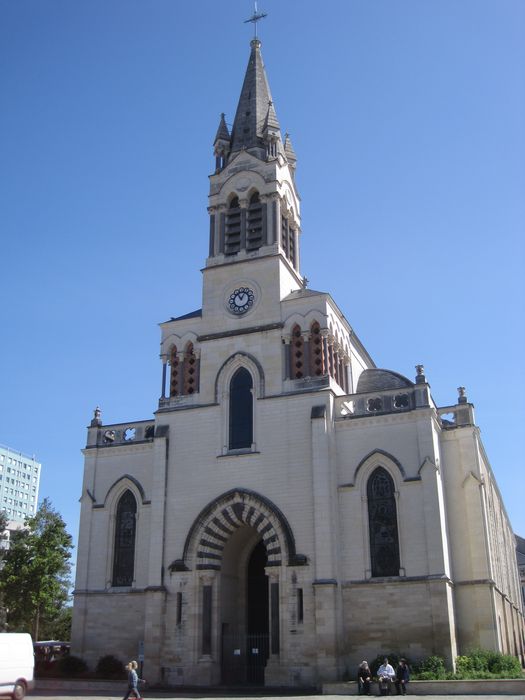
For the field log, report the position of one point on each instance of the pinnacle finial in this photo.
(256, 17)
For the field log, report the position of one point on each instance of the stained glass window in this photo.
(382, 521)
(124, 558)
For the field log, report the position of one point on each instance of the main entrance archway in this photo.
(242, 540)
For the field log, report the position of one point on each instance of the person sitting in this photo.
(364, 676)
(385, 676)
(402, 677)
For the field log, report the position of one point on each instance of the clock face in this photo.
(241, 300)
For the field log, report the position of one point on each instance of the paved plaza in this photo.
(87, 695)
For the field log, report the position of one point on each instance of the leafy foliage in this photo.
(3, 528)
(34, 580)
(482, 663)
(431, 668)
(477, 664)
(71, 666)
(110, 667)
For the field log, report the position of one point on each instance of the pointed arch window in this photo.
(241, 410)
(382, 522)
(125, 530)
(232, 240)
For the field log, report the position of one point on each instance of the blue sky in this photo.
(407, 119)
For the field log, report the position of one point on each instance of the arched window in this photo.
(297, 353)
(124, 556)
(317, 354)
(382, 522)
(232, 242)
(241, 410)
(190, 370)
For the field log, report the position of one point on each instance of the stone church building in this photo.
(290, 509)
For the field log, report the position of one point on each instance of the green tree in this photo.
(3, 544)
(34, 579)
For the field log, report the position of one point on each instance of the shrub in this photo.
(71, 666)
(482, 663)
(431, 668)
(110, 667)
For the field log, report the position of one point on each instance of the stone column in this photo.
(155, 602)
(326, 589)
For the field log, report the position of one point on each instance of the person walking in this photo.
(133, 681)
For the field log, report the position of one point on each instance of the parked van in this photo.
(16, 664)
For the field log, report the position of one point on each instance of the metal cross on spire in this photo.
(256, 17)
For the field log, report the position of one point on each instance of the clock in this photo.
(241, 300)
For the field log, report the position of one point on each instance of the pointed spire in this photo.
(221, 145)
(222, 132)
(255, 112)
(288, 151)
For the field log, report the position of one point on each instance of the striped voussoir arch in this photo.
(225, 520)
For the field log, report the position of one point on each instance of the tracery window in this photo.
(317, 355)
(382, 522)
(297, 353)
(190, 370)
(184, 371)
(124, 553)
(174, 372)
(241, 410)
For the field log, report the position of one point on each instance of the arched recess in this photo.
(374, 459)
(228, 369)
(118, 487)
(221, 518)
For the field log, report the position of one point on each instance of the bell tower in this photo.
(254, 205)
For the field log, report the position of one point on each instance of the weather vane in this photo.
(256, 17)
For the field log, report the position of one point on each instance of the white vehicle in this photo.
(17, 664)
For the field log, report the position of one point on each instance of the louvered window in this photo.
(254, 223)
(232, 239)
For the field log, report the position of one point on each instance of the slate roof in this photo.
(253, 108)
(192, 314)
(381, 380)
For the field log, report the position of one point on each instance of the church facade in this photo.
(291, 508)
